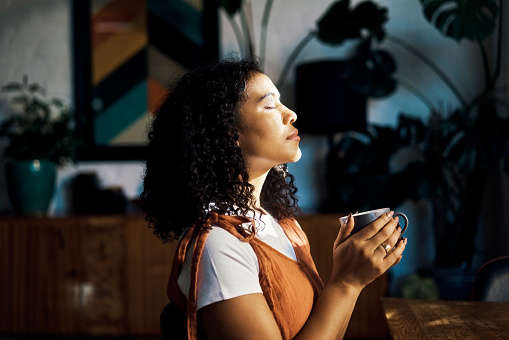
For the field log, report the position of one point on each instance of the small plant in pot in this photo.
(40, 137)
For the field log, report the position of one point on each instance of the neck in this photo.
(257, 180)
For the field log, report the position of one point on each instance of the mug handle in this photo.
(406, 221)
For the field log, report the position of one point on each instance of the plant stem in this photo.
(476, 101)
(292, 57)
(417, 93)
(496, 73)
(245, 27)
(238, 34)
(263, 37)
(486, 66)
(431, 65)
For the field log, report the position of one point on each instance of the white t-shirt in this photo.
(228, 266)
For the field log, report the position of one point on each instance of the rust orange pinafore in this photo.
(290, 287)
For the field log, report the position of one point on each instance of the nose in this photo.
(289, 116)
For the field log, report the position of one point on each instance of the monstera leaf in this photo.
(458, 19)
(231, 6)
(340, 22)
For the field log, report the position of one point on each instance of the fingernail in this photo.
(390, 213)
(406, 239)
(399, 229)
(396, 219)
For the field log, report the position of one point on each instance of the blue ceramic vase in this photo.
(31, 185)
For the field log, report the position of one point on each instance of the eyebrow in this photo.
(266, 95)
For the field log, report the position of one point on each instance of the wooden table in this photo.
(438, 319)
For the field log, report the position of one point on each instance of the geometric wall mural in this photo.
(137, 48)
(119, 71)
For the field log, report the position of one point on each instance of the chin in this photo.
(296, 156)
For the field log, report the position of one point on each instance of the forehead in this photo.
(259, 85)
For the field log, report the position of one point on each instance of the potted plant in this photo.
(40, 137)
(369, 71)
(454, 152)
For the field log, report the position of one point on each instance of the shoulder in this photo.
(294, 220)
(228, 268)
(289, 219)
(220, 244)
(291, 223)
(294, 231)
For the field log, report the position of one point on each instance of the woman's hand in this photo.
(360, 258)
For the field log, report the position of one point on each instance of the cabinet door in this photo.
(148, 268)
(39, 273)
(102, 289)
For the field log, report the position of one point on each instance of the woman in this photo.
(216, 178)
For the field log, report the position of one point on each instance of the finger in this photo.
(384, 234)
(392, 258)
(350, 223)
(346, 229)
(395, 263)
(396, 235)
(380, 252)
(371, 229)
(339, 238)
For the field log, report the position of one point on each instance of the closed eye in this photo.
(270, 107)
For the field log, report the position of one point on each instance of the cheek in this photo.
(260, 134)
(271, 126)
(256, 141)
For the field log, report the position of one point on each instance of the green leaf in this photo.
(11, 87)
(40, 105)
(340, 22)
(36, 88)
(372, 17)
(57, 102)
(231, 6)
(415, 287)
(21, 99)
(462, 19)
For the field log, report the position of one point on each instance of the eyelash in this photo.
(270, 107)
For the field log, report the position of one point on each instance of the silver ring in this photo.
(386, 247)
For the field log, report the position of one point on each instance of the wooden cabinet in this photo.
(96, 275)
(108, 275)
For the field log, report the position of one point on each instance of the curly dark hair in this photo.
(193, 163)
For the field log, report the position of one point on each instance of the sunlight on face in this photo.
(267, 136)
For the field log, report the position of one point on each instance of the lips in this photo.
(294, 135)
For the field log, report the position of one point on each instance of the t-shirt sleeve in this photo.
(228, 268)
